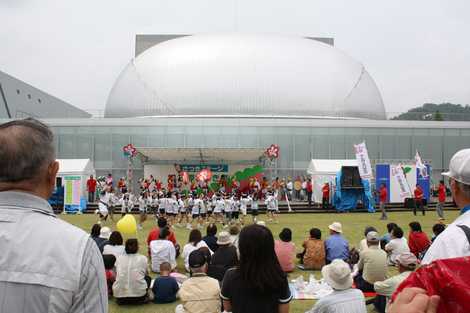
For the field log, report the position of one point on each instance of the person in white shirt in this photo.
(397, 245)
(113, 203)
(244, 202)
(254, 207)
(344, 298)
(271, 207)
(103, 207)
(143, 203)
(290, 188)
(198, 211)
(172, 210)
(218, 210)
(406, 264)
(183, 211)
(453, 242)
(126, 203)
(162, 250)
(115, 246)
(132, 280)
(235, 208)
(195, 242)
(228, 209)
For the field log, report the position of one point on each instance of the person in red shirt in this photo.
(325, 196)
(418, 241)
(419, 203)
(155, 233)
(91, 188)
(442, 199)
(309, 192)
(383, 197)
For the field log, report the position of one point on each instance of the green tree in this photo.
(438, 116)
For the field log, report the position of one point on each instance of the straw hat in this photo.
(336, 226)
(224, 238)
(338, 275)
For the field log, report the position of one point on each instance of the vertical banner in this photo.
(399, 176)
(423, 170)
(363, 161)
(72, 192)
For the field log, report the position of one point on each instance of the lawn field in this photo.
(300, 224)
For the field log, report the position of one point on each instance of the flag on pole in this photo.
(363, 161)
(423, 170)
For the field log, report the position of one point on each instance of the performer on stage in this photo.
(383, 195)
(245, 200)
(326, 196)
(419, 200)
(103, 207)
(271, 207)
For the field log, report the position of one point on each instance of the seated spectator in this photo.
(285, 250)
(165, 287)
(406, 264)
(437, 229)
(200, 293)
(388, 236)
(224, 258)
(155, 233)
(195, 242)
(372, 264)
(109, 260)
(363, 243)
(344, 298)
(418, 241)
(115, 246)
(336, 246)
(132, 280)
(313, 256)
(162, 251)
(396, 246)
(234, 231)
(258, 284)
(210, 238)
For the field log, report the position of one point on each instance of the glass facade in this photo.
(300, 140)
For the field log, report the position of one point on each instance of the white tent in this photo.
(76, 167)
(324, 171)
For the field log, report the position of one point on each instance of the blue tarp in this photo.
(346, 200)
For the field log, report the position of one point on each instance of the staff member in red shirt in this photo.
(383, 197)
(442, 199)
(419, 200)
(91, 188)
(309, 192)
(325, 196)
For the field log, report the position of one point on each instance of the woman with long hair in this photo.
(258, 284)
(194, 242)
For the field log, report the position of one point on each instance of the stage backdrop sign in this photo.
(72, 193)
(363, 161)
(196, 168)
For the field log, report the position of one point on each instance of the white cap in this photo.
(336, 226)
(338, 275)
(459, 167)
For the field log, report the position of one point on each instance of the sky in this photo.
(416, 51)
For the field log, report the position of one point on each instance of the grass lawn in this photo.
(300, 224)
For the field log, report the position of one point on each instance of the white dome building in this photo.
(244, 75)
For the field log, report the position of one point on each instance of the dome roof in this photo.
(239, 74)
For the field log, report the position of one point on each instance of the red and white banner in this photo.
(402, 183)
(363, 161)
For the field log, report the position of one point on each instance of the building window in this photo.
(39, 100)
(29, 96)
(18, 91)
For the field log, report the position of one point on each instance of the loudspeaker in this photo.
(350, 178)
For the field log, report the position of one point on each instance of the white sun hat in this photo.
(459, 167)
(336, 226)
(338, 275)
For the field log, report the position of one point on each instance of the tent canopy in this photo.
(75, 167)
(328, 167)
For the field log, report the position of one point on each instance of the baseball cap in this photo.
(197, 259)
(459, 167)
(372, 236)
